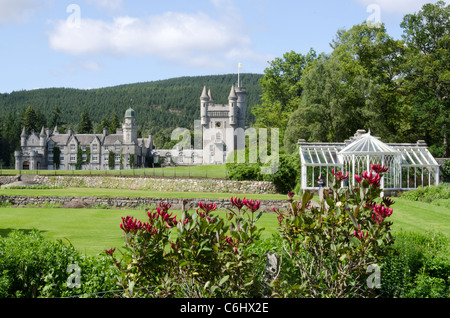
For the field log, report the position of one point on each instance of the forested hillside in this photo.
(160, 106)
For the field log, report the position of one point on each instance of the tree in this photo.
(111, 160)
(426, 76)
(55, 118)
(357, 80)
(105, 123)
(114, 124)
(85, 123)
(281, 90)
(29, 120)
(57, 157)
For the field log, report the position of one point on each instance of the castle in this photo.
(220, 127)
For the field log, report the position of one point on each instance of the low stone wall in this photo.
(118, 202)
(160, 184)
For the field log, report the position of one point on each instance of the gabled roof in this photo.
(366, 143)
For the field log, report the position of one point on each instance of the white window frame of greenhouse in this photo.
(410, 165)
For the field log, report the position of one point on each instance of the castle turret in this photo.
(129, 127)
(232, 102)
(242, 106)
(204, 101)
(42, 137)
(23, 138)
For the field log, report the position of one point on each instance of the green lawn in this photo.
(94, 230)
(204, 171)
(104, 192)
(90, 230)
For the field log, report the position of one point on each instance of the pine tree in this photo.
(85, 124)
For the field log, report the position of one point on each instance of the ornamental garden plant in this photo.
(335, 245)
(327, 249)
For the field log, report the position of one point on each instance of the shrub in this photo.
(334, 244)
(199, 255)
(446, 170)
(284, 179)
(35, 267)
(420, 267)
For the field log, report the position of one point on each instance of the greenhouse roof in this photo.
(366, 143)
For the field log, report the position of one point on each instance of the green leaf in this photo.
(224, 279)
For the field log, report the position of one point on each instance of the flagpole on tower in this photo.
(239, 66)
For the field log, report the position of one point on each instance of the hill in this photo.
(160, 106)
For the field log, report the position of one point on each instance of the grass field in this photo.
(93, 230)
(203, 171)
(128, 193)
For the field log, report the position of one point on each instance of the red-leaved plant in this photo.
(197, 255)
(334, 243)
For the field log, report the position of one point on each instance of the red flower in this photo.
(387, 201)
(252, 204)
(372, 177)
(110, 252)
(358, 179)
(237, 202)
(361, 235)
(130, 225)
(164, 206)
(379, 168)
(382, 210)
(339, 175)
(207, 207)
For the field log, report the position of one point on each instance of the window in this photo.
(94, 147)
(117, 157)
(72, 147)
(73, 158)
(94, 158)
(117, 147)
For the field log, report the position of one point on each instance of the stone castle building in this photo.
(53, 150)
(221, 127)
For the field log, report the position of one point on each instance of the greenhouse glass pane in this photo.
(306, 157)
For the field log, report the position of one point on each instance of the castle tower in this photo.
(241, 106)
(23, 138)
(232, 102)
(204, 101)
(42, 138)
(129, 127)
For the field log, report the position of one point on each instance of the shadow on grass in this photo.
(6, 232)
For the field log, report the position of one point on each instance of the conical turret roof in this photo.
(232, 93)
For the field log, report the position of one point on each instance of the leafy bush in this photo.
(287, 175)
(420, 267)
(446, 170)
(34, 267)
(199, 255)
(437, 195)
(334, 244)
(284, 179)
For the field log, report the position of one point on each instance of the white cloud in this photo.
(398, 6)
(188, 39)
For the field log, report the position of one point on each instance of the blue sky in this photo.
(99, 43)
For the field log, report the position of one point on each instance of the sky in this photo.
(88, 44)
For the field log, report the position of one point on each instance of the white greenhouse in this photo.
(410, 165)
